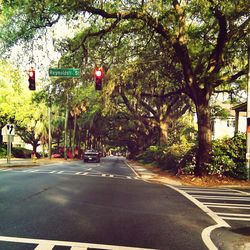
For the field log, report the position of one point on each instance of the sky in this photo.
(41, 53)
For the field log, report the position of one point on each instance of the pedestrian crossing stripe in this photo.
(92, 174)
(232, 200)
(50, 244)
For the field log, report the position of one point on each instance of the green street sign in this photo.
(64, 72)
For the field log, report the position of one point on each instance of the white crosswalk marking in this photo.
(229, 200)
(50, 244)
(45, 246)
(88, 173)
(78, 248)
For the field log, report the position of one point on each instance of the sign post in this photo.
(8, 133)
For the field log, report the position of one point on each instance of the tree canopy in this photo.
(199, 48)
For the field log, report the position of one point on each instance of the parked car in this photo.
(91, 155)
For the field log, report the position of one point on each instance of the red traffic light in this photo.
(32, 80)
(99, 73)
(32, 74)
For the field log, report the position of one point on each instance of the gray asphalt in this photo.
(96, 203)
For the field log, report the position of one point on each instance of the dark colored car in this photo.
(91, 155)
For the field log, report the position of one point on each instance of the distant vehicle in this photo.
(56, 155)
(91, 155)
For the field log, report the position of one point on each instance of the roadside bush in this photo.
(3, 152)
(21, 153)
(228, 157)
(165, 157)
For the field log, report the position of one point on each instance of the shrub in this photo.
(228, 156)
(21, 152)
(165, 157)
(3, 152)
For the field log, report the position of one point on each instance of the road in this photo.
(76, 205)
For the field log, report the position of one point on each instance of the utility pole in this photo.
(49, 114)
(248, 113)
(66, 127)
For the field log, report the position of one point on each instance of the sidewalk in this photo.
(154, 174)
(148, 175)
(23, 162)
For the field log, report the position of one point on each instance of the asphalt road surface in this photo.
(76, 205)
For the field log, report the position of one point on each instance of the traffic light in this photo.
(32, 79)
(99, 74)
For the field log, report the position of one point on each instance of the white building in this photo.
(236, 122)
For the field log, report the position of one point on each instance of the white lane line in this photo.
(112, 176)
(128, 177)
(78, 248)
(235, 218)
(203, 197)
(239, 191)
(204, 189)
(85, 173)
(89, 169)
(52, 172)
(206, 236)
(60, 172)
(235, 215)
(132, 169)
(104, 175)
(206, 233)
(79, 173)
(212, 192)
(232, 207)
(47, 244)
(33, 171)
(226, 204)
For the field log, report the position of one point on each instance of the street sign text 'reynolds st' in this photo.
(64, 72)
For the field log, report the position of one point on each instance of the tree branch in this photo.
(216, 58)
(177, 92)
(229, 79)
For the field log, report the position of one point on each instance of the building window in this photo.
(230, 123)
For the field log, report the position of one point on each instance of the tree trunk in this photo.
(163, 132)
(35, 145)
(203, 157)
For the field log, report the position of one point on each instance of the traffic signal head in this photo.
(32, 79)
(99, 74)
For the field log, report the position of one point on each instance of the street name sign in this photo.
(65, 72)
